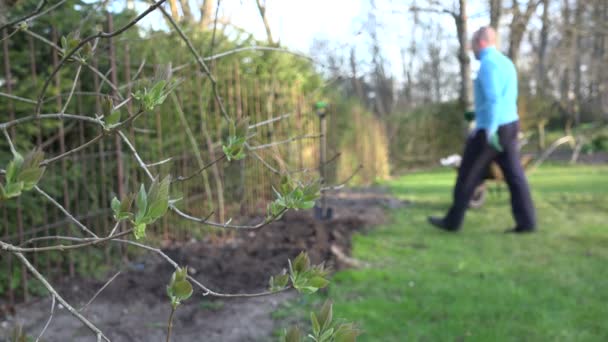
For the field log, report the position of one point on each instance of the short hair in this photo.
(486, 33)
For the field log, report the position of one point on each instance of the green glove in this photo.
(495, 142)
(469, 116)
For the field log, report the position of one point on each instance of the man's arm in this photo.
(490, 86)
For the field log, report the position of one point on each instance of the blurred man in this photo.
(494, 138)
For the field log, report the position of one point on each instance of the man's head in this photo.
(483, 38)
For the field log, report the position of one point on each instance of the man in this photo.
(494, 138)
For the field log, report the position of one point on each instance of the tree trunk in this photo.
(466, 93)
(541, 81)
(206, 14)
(519, 26)
(355, 78)
(174, 12)
(495, 13)
(262, 9)
(186, 9)
(578, 62)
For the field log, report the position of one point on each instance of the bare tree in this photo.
(262, 9)
(518, 26)
(541, 81)
(495, 13)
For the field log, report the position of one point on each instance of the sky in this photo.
(298, 23)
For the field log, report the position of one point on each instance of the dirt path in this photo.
(134, 307)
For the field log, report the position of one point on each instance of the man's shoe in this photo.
(519, 230)
(441, 224)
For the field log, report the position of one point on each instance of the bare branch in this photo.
(50, 318)
(160, 162)
(61, 248)
(13, 97)
(341, 185)
(57, 116)
(67, 305)
(69, 54)
(182, 179)
(67, 213)
(269, 121)
(39, 8)
(84, 307)
(92, 141)
(276, 143)
(200, 62)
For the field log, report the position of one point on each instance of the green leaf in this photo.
(13, 168)
(107, 107)
(326, 336)
(13, 189)
(278, 282)
(125, 204)
(318, 282)
(30, 177)
(115, 204)
(301, 263)
(347, 332)
(159, 198)
(325, 315)
(64, 44)
(140, 231)
(307, 205)
(293, 335)
(142, 204)
(113, 118)
(182, 289)
(316, 327)
(2, 193)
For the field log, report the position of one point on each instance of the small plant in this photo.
(292, 195)
(234, 148)
(178, 290)
(304, 277)
(22, 174)
(151, 205)
(148, 99)
(324, 328)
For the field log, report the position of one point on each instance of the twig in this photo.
(63, 302)
(341, 185)
(92, 141)
(41, 4)
(259, 48)
(74, 83)
(200, 62)
(269, 121)
(84, 307)
(57, 116)
(47, 10)
(115, 228)
(10, 35)
(50, 318)
(69, 54)
(170, 324)
(276, 143)
(183, 179)
(160, 162)
(22, 99)
(63, 210)
(90, 242)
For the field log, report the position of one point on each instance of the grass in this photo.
(481, 284)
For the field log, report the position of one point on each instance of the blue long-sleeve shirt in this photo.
(495, 91)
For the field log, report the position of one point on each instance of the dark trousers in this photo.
(478, 155)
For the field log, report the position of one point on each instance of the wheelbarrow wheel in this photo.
(479, 197)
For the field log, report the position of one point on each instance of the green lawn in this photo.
(481, 284)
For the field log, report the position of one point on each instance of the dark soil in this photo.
(134, 307)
